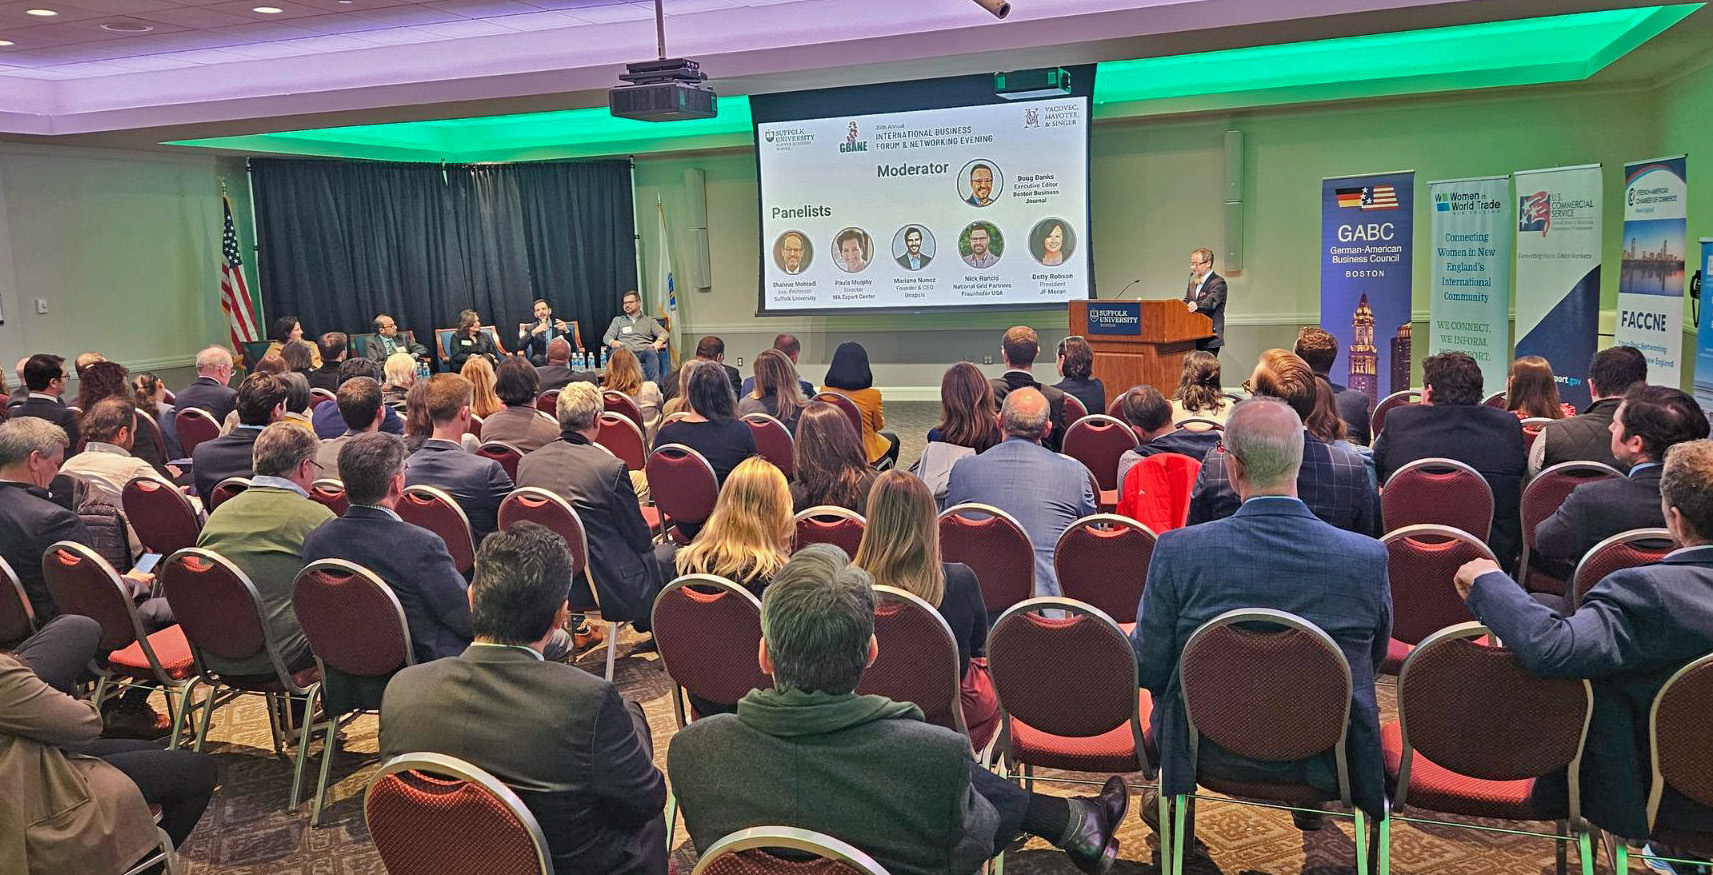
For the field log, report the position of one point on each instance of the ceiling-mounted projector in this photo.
(663, 90)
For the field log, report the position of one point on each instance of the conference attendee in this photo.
(399, 371)
(209, 391)
(1585, 437)
(558, 373)
(1332, 481)
(518, 423)
(1076, 367)
(967, 410)
(1319, 348)
(981, 236)
(579, 756)
(1018, 350)
(388, 342)
(1531, 391)
(830, 467)
(1206, 295)
(643, 335)
(849, 375)
(410, 560)
(810, 753)
(981, 186)
(792, 249)
(914, 258)
(901, 547)
(261, 401)
(710, 349)
(1452, 423)
(107, 463)
(709, 428)
(103, 380)
(468, 340)
(261, 530)
(477, 483)
(272, 364)
(1647, 424)
(149, 393)
(289, 330)
(1324, 424)
(1148, 414)
(533, 337)
(45, 378)
(850, 245)
(775, 390)
(22, 392)
(359, 401)
(84, 360)
(749, 536)
(624, 375)
(334, 347)
(1199, 393)
(297, 409)
(1631, 632)
(792, 347)
(1044, 491)
(484, 401)
(330, 423)
(1053, 246)
(297, 359)
(1332, 578)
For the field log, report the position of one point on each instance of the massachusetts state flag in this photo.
(1372, 197)
(234, 295)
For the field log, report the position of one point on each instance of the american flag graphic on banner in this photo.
(1380, 197)
(1534, 212)
(234, 295)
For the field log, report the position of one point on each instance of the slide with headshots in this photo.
(954, 207)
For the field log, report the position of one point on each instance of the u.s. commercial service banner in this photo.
(1470, 308)
(1650, 280)
(1365, 259)
(1558, 272)
(1704, 336)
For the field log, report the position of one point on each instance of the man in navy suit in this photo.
(1206, 295)
(260, 401)
(478, 484)
(1272, 553)
(209, 392)
(1631, 632)
(45, 378)
(330, 423)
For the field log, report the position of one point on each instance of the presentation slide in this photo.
(928, 209)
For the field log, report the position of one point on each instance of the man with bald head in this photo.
(1045, 491)
(558, 373)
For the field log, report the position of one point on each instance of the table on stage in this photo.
(1138, 342)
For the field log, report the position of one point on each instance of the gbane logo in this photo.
(851, 143)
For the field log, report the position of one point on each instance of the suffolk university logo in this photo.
(1534, 212)
(851, 143)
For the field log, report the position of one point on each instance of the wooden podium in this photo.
(1138, 342)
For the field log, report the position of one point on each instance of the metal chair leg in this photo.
(187, 714)
(208, 706)
(671, 817)
(612, 648)
(329, 750)
(303, 746)
(1180, 804)
(1362, 843)
(1585, 849)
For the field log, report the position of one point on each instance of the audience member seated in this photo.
(103, 380)
(261, 400)
(518, 423)
(359, 400)
(625, 377)
(411, 560)
(1532, 391)
(708, 349)
(1324, 424)
(1632, 631)
(298, 359)
(1297, 563)
(849, 375)
(1019, 349)
(1076, 364)
(297, 409)
(399, 373)
(389, 342)
(1199, 393)
(478, 484)
(1332, 481)
(830, 465)
(1317, 347)
(484, 401)
(709, 428)
(579, 756)
(812, 754)
(901, 547)
(1043, 490)
(288, 329)
(775, 390)
(467, 340)
(1149, 414)
(150, 396)
(109, 430)
(334, 346)
(1585, 437)
(85, 359)
(968, 413)
(262, 531)
(557, 373)
(45, 377)
(749, 536)
(209, 392)
(330, 423)
(1452, 423)
(792, 348)
(643, 335)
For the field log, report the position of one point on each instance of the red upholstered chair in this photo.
(1475, 730)
(475, 429)
(225, 489)
(1098, 441)
(1442, 492)
(439, 513)
(1540, 500)
(535, 505)
(165, 519)
(1103, 560)
(1075, 409)
(773, 441)
(1115, 407)
(746, 852)
(1230, 676)
(1377, 419)
(1421, 563)
(995, 546)
(330, 493)
(1623, 550)
(17, 615)
(623, 439)
(684, 488)
(708, 629)
(430, 814)
(1532, 430)
(847, 405)
(507, 455)
(618, 402)
(319, 397)
(918, 660)
(1497, 399)
(194, 427)
(356, 628)
(827, 524)
(1682, 756)
(548, 403)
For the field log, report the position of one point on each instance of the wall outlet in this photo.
(41, 306)
(987, 359)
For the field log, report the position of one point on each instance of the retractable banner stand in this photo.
(1558, 272)
(1650, 280)
(1366, 248)
(1470, 307)
(1704, 335)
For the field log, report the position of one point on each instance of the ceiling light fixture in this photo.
(127, 27)
(268, 10)
(6, 42)
(42, 13)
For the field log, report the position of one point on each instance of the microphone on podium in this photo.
(1121, 292)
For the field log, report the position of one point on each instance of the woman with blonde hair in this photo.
(1199, 393)
(400, 376)
(624, 376)
(777, 391)
(748, 537)
(484, 401)
(1531, 390)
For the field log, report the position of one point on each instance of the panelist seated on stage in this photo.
(534, 336)
(468, 339)
(389, 340)
(642, 334)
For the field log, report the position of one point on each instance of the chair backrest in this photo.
(164, 518)
(746, 853)
(1552, 486)
(1677, 731)
(995, 546)
(353, 621)
(475, 429)
(1472, 708)
(1532, 430)
(149, 433)
(17, 615)
(708, 630)
(438, 512)
(852, 411)
(614, 401)
(1097, 441)
(1623, 550)
(918, 660)
(507, 455)
(330, 493)
(225, 489)
(1420, 565)
(1442, 492)
(548, 403)
(682, 483)
(81, 582)
(533, 504)
(1103, 560)
(1497, 399)
(827, 524)
(1377, 419)
(1269, 686)
(319, 396)
(194, 427)
(430, 813)
(1075, 409)
(623, 438)
(773, 441)
(1200, 423)
(1115, 407)
(218, 608)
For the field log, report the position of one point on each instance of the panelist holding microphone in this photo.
(533, 337)
(1206, 295)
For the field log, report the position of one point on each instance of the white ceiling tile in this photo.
(269, 50)
(150, 63)
(199, 17)
(615, 12)
(400, 16)
(462, 29)
(204, 57)
(402, 36)
(535, 21)
(320, 44)
(481, 8)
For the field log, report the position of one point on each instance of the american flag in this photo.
(1379, 197)
(1536, 213)
(234, 296)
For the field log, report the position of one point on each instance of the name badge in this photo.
(626, 329)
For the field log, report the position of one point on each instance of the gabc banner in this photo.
(1470, 308)
(1650, 280)
(1558, 272)
(1366, 249)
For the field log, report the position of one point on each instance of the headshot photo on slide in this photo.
(913, 247)
(1052, 241)
(981, 244)
(791, 252)
(852, 250)
(980, 183)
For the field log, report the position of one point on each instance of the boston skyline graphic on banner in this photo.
(1366, 253)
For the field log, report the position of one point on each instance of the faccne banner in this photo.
(1558, 272)
(1650, 280)
(1470, 307)
(1366, 248)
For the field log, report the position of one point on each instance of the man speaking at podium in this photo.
(1206, 295)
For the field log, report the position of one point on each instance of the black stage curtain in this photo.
(341, 241)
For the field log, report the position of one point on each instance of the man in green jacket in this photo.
(811, 753)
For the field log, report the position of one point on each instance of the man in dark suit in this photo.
(914, 258)
(1019, 349)
(388, 340)
(260, 401)
(1272, 553)
(45, 378)
(812, 754)
(1206, 295)
(334, 347)
(477, 483)
(1631, 632)
(711, 349)
(1650, 421)
(579, 756)
(1584, 438)
(1319, 348)
(209, 392)
(557, 373)
(330, 423)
